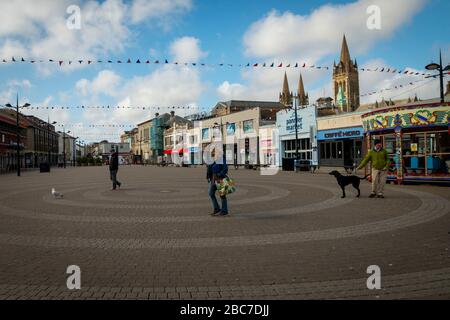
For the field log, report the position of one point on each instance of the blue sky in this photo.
(412, 31)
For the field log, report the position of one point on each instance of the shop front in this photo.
(304, 146)
(416, 138)
(340, 147)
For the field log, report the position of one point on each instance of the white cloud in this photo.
(314, 38)
(266, 83)
(187, 49)
(105, 82)
(37, 29)
(291, 36)
(164, 88)
(380, 81)
(164, 10)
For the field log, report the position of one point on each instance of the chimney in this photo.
(172, 113)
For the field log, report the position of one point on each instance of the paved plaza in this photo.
(288, 236)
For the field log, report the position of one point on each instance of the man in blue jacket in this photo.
(214, 173)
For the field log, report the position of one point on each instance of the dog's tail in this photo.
(364, 177)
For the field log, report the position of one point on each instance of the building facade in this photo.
(306, 132)
(340, 139)
(8, 140)
(42, 140)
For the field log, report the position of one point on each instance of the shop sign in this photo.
(344, 133)
(407, 118)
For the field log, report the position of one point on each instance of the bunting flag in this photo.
(108, 107)
(62, 62)
(412, 83)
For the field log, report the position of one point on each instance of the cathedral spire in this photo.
(345, 53)
(302, 96)
(286, 95)
(286, 85)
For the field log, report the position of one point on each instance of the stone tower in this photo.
(346, 81)
(286, 96)
(303, 99)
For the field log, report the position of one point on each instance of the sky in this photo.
(409, 36)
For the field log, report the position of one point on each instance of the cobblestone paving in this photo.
(288, 236)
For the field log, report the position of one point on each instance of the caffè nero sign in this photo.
(343, 133)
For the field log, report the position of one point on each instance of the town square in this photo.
(198, 150)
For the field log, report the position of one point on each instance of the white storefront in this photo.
(306, 131)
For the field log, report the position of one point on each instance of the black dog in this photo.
(346, 180)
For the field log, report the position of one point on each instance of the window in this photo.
(231, 129)
(248, 126)
(333, 150)
(205, 133)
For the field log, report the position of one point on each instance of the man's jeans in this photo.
(114, 178)
(212, 195)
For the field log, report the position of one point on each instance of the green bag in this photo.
(226, 186)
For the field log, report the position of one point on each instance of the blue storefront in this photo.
(341, 147)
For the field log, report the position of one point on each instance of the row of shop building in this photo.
(250, 133)
(39, 143)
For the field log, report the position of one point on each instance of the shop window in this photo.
(339, 150)
(333, 150)
(322, 151)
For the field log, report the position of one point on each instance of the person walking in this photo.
(379, 159)
(113, 168)
(215, 172)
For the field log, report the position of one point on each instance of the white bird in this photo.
(57, 195)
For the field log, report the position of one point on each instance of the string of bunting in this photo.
(195, 64)
(77, 125)
(412, 83)
(109, 107)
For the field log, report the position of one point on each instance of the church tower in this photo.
(303, 99)
(286, 96)
(346, 81)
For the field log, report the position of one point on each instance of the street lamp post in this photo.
(295, 107)
(18, 130)
(435, 66)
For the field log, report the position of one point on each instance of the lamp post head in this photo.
(447, 68)
(433, 66)
(9, 105)
(26, 105)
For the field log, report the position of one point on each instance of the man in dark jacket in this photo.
(113, 168)
(214, 173)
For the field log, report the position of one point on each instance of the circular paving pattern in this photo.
(265, 206)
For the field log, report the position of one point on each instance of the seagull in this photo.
(57, 195)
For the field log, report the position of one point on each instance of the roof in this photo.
(177, 120)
